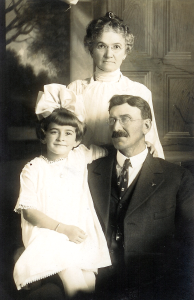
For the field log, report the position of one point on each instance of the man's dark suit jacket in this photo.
(158, 225)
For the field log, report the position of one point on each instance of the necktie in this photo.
(123, 184)
(123, 178)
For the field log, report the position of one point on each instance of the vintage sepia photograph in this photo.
(97, 149)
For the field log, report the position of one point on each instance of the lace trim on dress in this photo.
(36, 279)
(103, 76)
(52, 161)
(27, 281)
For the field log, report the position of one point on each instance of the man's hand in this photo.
(74, 233)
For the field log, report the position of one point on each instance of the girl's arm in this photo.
(97, 152)
(93, 152)
(39, 219)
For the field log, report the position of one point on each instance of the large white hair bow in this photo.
(58, 96)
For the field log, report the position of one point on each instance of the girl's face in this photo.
(60, 140)
(109, 51)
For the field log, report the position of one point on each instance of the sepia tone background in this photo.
(42, 42)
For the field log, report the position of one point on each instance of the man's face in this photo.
(128, 137)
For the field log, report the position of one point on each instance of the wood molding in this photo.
(178, 105)
(143, 77)
(117, 7)
(176, 38)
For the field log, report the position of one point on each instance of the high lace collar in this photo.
(52, 161)
(100, 75)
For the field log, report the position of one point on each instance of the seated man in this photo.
(146, 209)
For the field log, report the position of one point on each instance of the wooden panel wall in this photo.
(163, 60)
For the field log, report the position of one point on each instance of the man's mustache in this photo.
(120, 133)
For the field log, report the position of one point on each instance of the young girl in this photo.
(60, 228)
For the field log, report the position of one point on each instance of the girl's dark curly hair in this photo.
(110, 20)
(61, 116)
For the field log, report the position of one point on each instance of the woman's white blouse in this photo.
(96, 95)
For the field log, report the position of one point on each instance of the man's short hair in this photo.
(132, 101)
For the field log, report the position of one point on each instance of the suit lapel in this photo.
(100, 174)
(150, 179)
(114, 180)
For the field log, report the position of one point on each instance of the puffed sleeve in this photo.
(152, 135)
(28, 187)
(79, 86)
(94, 152)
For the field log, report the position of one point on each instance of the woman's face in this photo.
(109, 51)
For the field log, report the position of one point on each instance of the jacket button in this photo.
(120, 205)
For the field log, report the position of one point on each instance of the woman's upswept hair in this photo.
(61, 116)
(132, 101)
(109, 21)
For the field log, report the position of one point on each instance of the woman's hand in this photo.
(153, 150)
(74, 233)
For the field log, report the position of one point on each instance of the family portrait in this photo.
(97, 150)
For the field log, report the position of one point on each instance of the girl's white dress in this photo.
(96, 95)
(60, 190)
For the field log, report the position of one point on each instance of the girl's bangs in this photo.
(65, 120)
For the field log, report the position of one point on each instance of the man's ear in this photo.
(147, 126)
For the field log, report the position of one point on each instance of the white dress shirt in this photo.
(136, 162)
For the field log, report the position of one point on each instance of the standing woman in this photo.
(109, 41)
